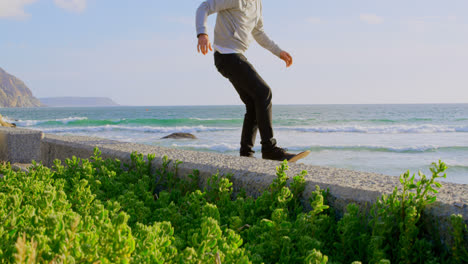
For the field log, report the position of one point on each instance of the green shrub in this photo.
(104, 211)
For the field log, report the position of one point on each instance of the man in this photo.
(237, 22)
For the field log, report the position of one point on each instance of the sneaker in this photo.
(281, 154)
(249, 154)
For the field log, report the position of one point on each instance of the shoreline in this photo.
(382, 139)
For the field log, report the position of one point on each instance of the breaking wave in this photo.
(396, 129)
(142, 129)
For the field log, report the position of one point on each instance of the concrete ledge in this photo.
(255, 175)
(19, 145)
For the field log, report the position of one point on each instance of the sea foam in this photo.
(143, 129)
(395, 129)
(30, 123)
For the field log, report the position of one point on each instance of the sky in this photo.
(143, 52)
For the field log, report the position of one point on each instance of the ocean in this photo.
(386, 139)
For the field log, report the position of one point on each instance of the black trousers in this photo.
(255, 94)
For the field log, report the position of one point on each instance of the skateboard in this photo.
(299, 156)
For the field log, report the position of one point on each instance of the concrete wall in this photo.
(20, 145)
(255, 175)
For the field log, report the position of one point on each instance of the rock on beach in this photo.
(5, 124)
(180, 136)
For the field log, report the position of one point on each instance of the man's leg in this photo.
(249, 127)
(248, 81)
(254, 92)
(227, 65)
(252, 88)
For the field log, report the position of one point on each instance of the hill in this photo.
(14, 93)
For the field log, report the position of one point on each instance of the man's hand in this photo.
(287, 58)
(204, 44)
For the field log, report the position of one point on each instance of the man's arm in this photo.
(261, 37)
(205, 9)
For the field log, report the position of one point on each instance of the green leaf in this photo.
(212, 243)
(268, 223)
(167, 243)
(431, 200)
(12, 232)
